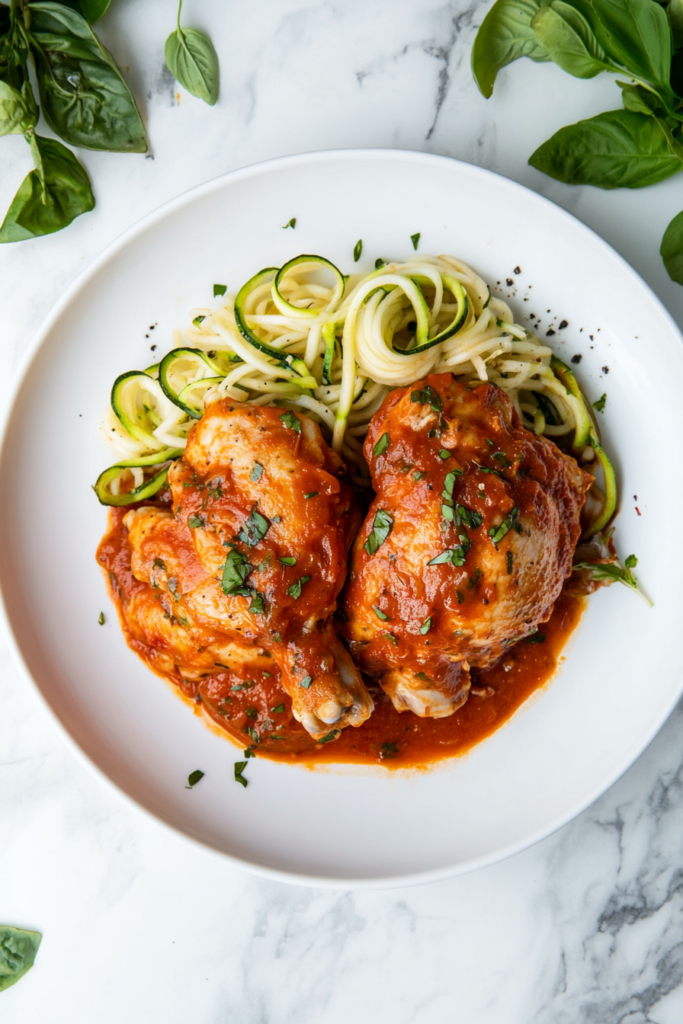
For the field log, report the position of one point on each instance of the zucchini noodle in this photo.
(306, 337)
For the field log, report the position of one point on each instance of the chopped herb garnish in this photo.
(291, 421)
(193, 778)
(295, 589)
(357, 250)
(249, 752)
(379, 262)
(391, 638)
(448, 513)
(268, 675)
(253, 734)
(381, 445)
(444, 454)
(509, 558)
(614, 572)
(388, 750)
(427, 396)
(219, 289)
(257, 603)
(287, 560)
(468, 516)
(452, 556)
(483, 469)
(262, 566)
(423, 676)
(417, 475)
(536, 638)
(502, 459)
(248, 685)
(599, 406)
(380, 614)
(159, 563)
(631, 562)
(473, 580)
(460, 596)
(311, 494)
(251, 712)
(496, 533)
(195, 522)
(306, 682)
(257, 472)
(290, 224)
(426, 625)
(278, 709)
(198, 320)
(255, 528)
(381, 528)
(239, 777)
(330, 736)
(415, 239)
(101, 618)
(235, 572)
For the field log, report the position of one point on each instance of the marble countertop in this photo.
(584, 927)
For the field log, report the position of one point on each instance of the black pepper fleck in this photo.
(517, 270)
(563, 324)
(577, 358)
(509, 282)
(605, 369)
(549, 333)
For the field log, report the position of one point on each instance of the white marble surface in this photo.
(585, 927)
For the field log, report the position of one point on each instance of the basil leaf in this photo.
(382, 445)
(219, 289)
(496, 533)
(357, 250)
(672, 248)
(18, 111)
(599, 406)
(84, 98)
(426, 625)
(291, 421)
(427, 396)
(193, 778)
(415, 239)
(287, 560)
(257, 603)
(640, 99)
(330, 736)
(452, 556)
(634, 33)
(50, 197)
(505, 35)
(614, 572)
(674, 12)
(239, 777)
(235, 572)
(569, 41)
(91, 10)
(290, 223)
(255, 528)
(617, 149)
(380, 614)
(306, 682)
(195, 522)
(295, 589)
(381, 528)
(257, 472)
(192, 60)
(18, 949)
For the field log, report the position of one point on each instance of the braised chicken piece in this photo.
(248, 562)
(466, 546)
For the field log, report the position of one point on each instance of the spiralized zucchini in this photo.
(306, 336)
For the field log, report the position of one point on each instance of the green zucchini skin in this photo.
(306, 314)
(167, 387)
(582, 434)
(146, 489)
(288, 362)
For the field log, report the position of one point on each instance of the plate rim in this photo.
(111, 249)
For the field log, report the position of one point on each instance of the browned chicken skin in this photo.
(250, 560)
(466, 546)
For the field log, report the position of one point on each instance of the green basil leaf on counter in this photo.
(91, 10)
(640, 99)
(192, 60)
(634, 33)
(569, 41)
(505, 36)
(18, 950)
(18, 111)
(617, 149)
(50, 197)
(84, 98)
(672, 248)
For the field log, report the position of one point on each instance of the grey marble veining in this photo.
(585, 927)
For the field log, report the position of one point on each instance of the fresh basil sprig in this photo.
(192, 60)
(18, 950)
(630, 148)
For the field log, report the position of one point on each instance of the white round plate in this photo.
(348, 827)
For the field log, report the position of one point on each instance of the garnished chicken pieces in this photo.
(466, 546)
(250, 559)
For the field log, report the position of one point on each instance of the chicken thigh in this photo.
(466, 546)
(249, 561)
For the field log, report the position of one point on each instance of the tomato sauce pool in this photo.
(257, 713)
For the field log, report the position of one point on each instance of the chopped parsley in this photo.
(287, 560)
(331, 735)
(159, 563)
(291, 421)
(239, 777)
(417, 475)
(278, 709)
(415, 239)
(248, 685)
(502, 459)
(391, 638)
(423, 676)
(195, 522)
(219, 289)
(452, 556)
(290, 224)
(311, 494)
(295, 589)
(193, 778)
(257, 603)
(101, 618)
(426, 625)
(380, 614)
(381, 528)
(599, 406)
(388, 750)
(427, 396)
(251, 712)
(254, 529)
(444, 453)
(357, 250)
(306, 682)
(257, 472)
(381, 445)
(235, 572)
(496, 533)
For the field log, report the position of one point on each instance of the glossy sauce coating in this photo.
(253, 714)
